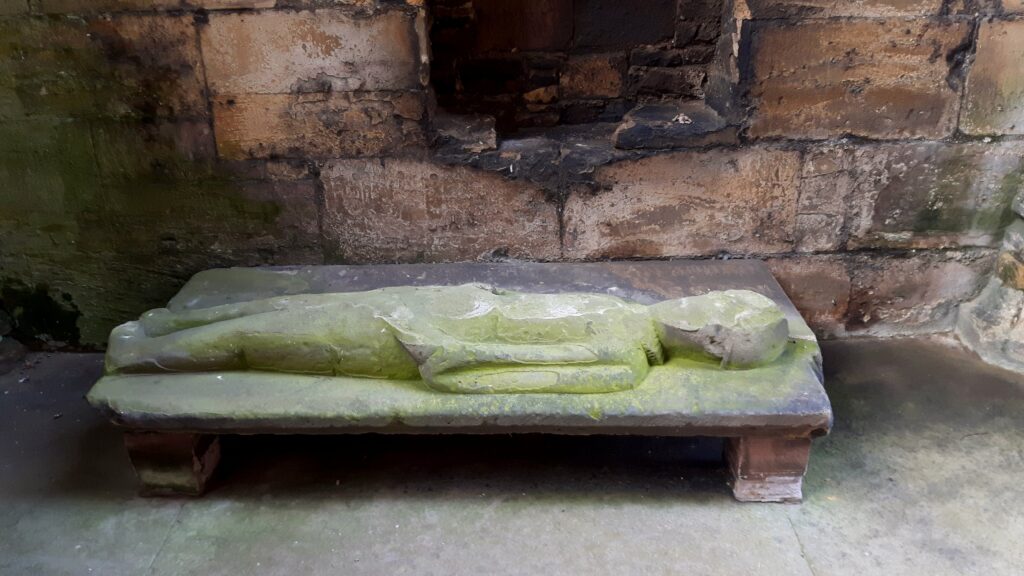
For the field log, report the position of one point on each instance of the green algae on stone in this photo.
(466, 339)
(678, 394)
(740, 327)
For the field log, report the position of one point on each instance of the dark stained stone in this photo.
(617, 24)
(659, 126)
(656, 56)
(464, 133)
(523, 24)
(684, 82)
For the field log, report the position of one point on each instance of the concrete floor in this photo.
(923, 474)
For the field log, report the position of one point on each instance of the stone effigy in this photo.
(666, 348)
(463, 339)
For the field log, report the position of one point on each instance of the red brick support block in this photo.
(173, 464)
(768, 469)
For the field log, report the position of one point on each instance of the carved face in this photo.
(740, 328)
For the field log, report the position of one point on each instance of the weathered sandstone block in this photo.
(128, 65)
(232, 4)
(995, 88)
(317, 125)
(94, 6)
(819, 286)
(834, 8)
(315, 51)
(882, 79)
(913, 195)
(913, 293)
(822, 210)
(593, 76)
(986, 7)
(687, 204)
(388, 210)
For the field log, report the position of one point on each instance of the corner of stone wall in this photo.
(993, 324)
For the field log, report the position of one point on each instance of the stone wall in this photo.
(869, 151)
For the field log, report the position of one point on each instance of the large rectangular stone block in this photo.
(280, 52)
(986, 7)
(913, 293)
(317, 125)
(129, 65)
(687, 204)
(994, 103)
(95, 6)
(882, 294)
(910, 195)
(883, 79)
(13, 7)
(836, 8)
(393, 210)
(233, 4)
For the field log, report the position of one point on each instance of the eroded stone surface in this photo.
(687, 204)
(881, 79)
(318, 125)
(144, 66)
(993, 325)
(819, 287)
(742, 328)
(1010, 269)
(593, 76)
(90, 6)
(913, 195)
(463, 134)
(671, 125)
(317, 51)
(995, 88)
(408, 210)
(1013, 238)
(836, 8)
(915, 293)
